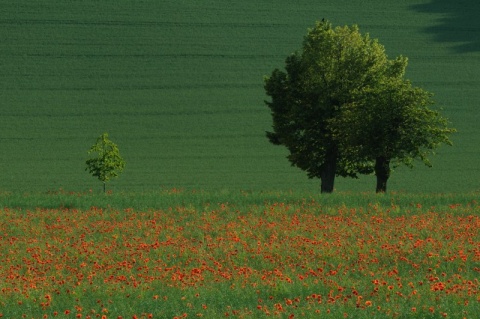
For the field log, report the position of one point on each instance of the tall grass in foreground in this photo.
(245, 255)
(165, 198)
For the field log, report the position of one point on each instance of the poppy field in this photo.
(254, 256)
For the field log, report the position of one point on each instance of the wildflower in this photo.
(368, 303)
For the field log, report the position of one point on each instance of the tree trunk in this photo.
(382, 171)
(327, 176)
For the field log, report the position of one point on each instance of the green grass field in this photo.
(209, 219)
(178, 85)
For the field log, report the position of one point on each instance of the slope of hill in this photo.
(178, 85)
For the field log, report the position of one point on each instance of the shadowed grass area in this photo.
(457, 23)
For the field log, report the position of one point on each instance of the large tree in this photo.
(333, 69)
(391, 124)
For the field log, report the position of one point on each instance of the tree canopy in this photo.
(107, 163)
(391, 123)
(338, 78)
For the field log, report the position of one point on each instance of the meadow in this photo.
(183, 254)
(208, 219)
(178, 85)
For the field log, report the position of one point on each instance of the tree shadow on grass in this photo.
(459, 23)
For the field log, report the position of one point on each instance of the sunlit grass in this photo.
(199, 199)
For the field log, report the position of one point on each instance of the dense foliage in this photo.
(392, 123)
(107, 162)
(343, 108)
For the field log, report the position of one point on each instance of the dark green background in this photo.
(178, 85)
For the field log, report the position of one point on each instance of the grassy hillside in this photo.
(178, 86)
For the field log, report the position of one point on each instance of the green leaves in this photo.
(396, 123)
(108, 163)
(333, 67)
(342, 105)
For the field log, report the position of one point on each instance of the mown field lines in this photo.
(148, 71)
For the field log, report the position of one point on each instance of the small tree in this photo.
(108, 163)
